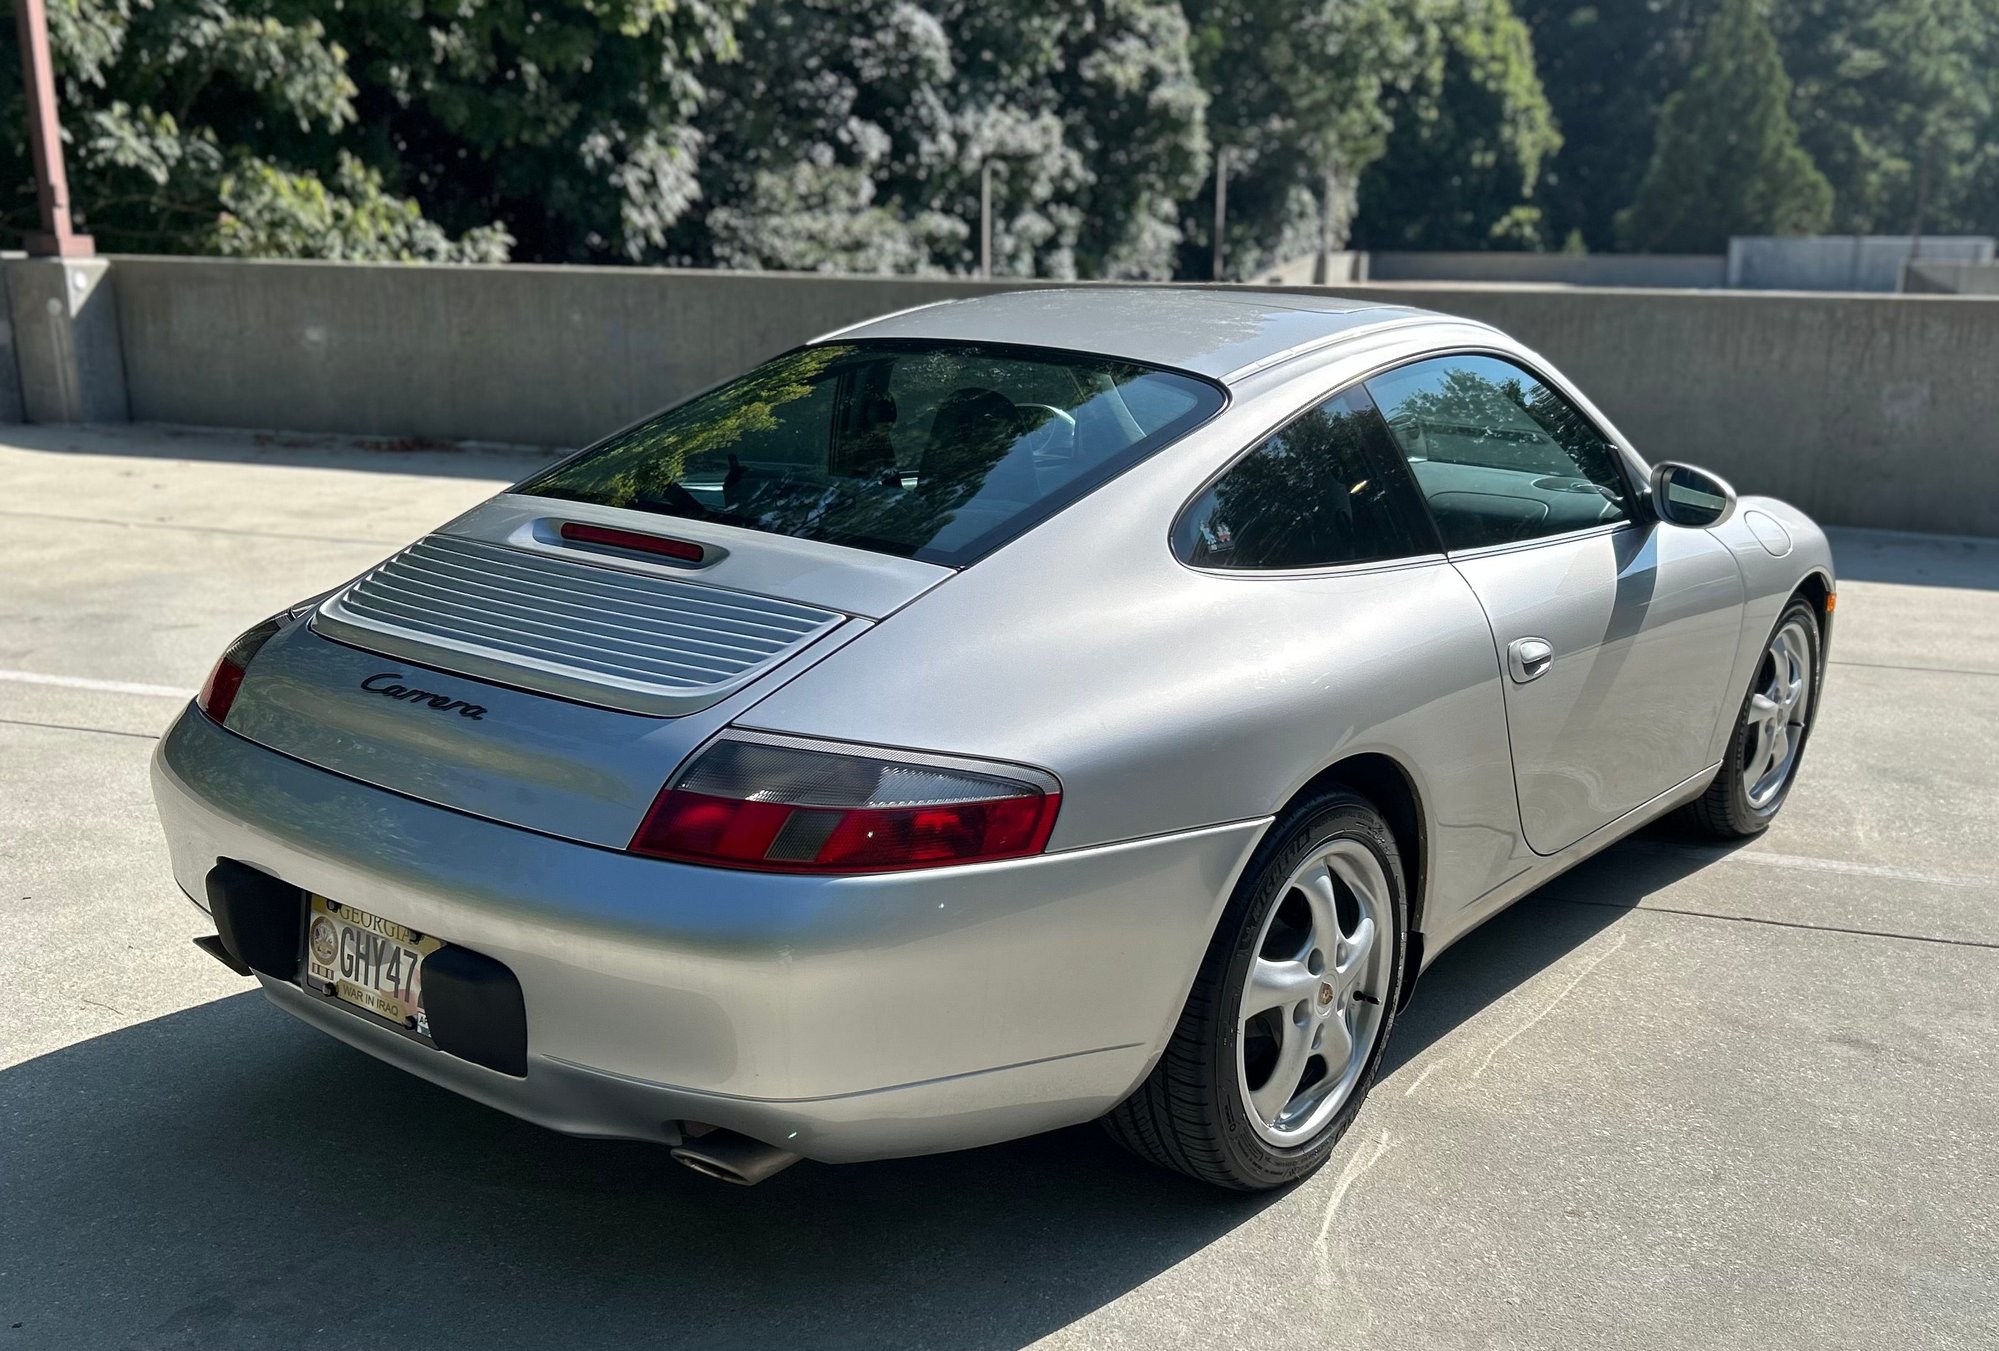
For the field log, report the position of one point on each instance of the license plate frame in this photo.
(371, 965)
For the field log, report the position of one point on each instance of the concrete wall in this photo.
(540, 355)
(1692, 270)
(1950, 279)
(1340, 267)
(1865, 410)
(1841, 262)
(67, 350)
(1877, 411)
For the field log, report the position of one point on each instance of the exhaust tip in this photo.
(736, 1159)
(710, 1168)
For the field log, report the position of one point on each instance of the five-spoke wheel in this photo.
(1770, 733)
(1780, 707)
(1284, 1028)
(1311, 1008)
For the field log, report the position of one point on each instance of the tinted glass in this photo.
(1324, 490)
(934, 451)
(1499, 455)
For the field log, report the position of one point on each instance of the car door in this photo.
(1614, 633)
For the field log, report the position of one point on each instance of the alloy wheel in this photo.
(1779, 710)
(1311, 1008)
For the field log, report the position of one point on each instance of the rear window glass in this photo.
(940, 452)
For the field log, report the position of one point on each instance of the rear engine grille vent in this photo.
(599, 635)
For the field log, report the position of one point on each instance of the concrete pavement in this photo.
(1687, 1097)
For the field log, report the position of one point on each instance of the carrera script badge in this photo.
(389, 685)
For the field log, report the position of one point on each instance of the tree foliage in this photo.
(200, 126)
(1607, 66)
(569, 120)
(1728, 160)
(1300, 96)
(1898, 103)
(852, 134)
(1461, 168)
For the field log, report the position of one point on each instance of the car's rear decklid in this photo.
(496, 668)
(632, 640)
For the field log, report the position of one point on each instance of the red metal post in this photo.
(58, 238)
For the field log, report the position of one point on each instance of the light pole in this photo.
(985, 218)
(58, 237)
(1221, 204)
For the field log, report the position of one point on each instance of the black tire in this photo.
(1725, 810)
(1188, 1115)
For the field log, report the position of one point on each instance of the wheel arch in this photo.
(1392, 788)
(1817, 590)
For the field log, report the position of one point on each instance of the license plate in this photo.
(369, 962)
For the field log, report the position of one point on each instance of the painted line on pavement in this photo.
(1767, 859)
(72, 727)
(100, 686)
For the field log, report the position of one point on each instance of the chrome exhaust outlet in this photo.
(733, 1158)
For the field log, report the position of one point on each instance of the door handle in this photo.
(1529, 658)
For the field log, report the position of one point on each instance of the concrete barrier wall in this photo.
(1951, 279)
(1876, 411)
(1864, 410)
(1842, 262)
(538, 355)
(1691, 270)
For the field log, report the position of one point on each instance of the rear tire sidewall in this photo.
(1254, 1160)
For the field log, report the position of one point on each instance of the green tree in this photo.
(1896, 103)
(1607, 66)
(1299, 98)
(1463, 162)
(568, 120)
(204, 127)
(819, 143)
(851, 135)
(1727, 159)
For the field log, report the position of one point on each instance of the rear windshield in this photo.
(935, 451)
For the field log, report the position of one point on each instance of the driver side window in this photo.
(1499, 455)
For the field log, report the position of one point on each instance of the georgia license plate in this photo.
(370, 962)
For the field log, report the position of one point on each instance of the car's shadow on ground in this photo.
(226, 1177)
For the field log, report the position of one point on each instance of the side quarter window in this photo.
(1498, 454)
(1326, 489)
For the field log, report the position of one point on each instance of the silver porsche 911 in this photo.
(1009, 713)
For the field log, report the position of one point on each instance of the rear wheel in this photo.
(1284, 1028)
(1770, 732)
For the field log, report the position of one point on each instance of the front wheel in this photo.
(1769, 736)
(1284, 1028)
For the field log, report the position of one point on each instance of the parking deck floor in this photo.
(1686, 1097)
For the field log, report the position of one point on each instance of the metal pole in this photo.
(986, 219)
(58, 238)
(1221, 204)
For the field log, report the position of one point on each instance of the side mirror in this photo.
(1684, 495)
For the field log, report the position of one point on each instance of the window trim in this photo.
(1621, 457)
(1425, 524)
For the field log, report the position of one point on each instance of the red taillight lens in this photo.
(782, 807)
(218, 692)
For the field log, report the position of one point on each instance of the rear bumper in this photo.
(843, 1018)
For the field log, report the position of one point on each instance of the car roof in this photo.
(1218, 333)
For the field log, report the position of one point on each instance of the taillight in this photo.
(779, 804)
(218, 692)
